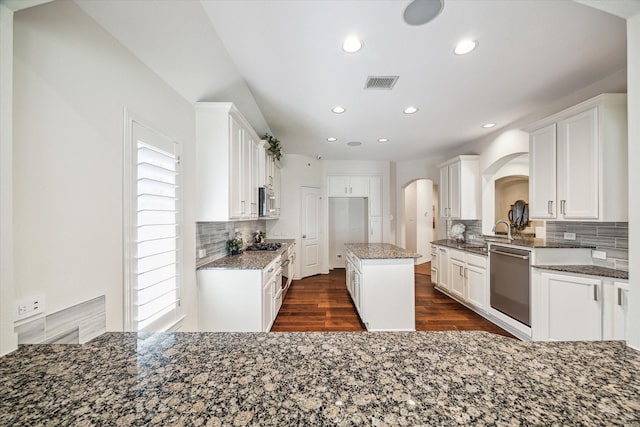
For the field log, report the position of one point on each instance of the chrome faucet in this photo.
(508, 228)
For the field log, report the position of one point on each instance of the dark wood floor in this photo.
(322, 303)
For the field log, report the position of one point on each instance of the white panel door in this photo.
(578, 166)
(575, 308)
(455, 190)
(444, 192)
(235, 168)
(311, 249)
(476, 286)
(456, 276)
(542, 173)
(375, 230)
(338, 186)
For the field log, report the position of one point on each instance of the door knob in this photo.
(304, 236)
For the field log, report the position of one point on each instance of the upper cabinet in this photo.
(228, 157)
(578, 162)
(348, 186)
(460, 188)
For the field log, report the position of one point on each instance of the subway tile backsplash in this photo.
(213, 237)
(610, 237)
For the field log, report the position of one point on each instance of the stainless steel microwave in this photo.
(266, 202)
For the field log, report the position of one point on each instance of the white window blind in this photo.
(155, 255)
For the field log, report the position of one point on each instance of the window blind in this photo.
(156, 256)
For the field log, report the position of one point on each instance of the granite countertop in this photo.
(476, 248)
(591, 270)
(386, 378)
(379, 251)
(248, 260)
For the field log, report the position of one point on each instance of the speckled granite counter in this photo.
(249, 260)
(420, 378)
(591, 270)
(379, 251)
(476, 248)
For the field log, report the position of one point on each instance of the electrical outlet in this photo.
(472, 236)
(598, 254)
(202, 253)
(569, 236)
(30, 307)
(339, 256)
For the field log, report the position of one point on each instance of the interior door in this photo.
(310, 215)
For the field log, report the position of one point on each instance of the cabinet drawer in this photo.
(457, 255)
(477, 260)
(270, 270)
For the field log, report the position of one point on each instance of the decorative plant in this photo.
(234, 246)
(275, 149)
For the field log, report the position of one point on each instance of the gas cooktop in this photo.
(264, 247)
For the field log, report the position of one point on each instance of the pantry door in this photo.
(310, 231)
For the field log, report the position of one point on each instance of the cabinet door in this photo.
(542, 173)
(359, 186)
(255, 179)
(455, 190)
(444, 192)
(616, 306)
(476, 286)
(235, 168)
(375, 230)
(575, 308)
(375, 196)
(246, 174)
(443, 270)
(578, 166)
(456, 276)
(338, 186)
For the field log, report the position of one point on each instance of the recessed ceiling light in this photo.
(465, 46)
(338, 110)
(332, 139)
(488, 125)
(383, 140)
(410, 110)
(354, 143)
(352, 44)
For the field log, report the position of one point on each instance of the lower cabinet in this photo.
(569, 307)
(467, 277)
(233, 300)
(443, 268)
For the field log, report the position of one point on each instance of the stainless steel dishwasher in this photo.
(509, 282)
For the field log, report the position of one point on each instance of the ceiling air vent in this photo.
(381, 82)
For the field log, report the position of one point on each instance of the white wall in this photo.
(297, 171)
(8, 340)
(633, 100)
(72, 82)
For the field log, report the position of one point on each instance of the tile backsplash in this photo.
(473, 228)
(213, 236)
(610, 237)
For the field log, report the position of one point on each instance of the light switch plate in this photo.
(569, 236)
(598, 254)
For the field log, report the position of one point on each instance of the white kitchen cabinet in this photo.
(226, 170)
(383, 292)
(375, 196)
(585, 178)
(569, 308)
(616, 309)
(460, 188)
(234, 300)
(443, 269)
(435, 264)
(456, 276)
(542, 178)
(348, 186)
(277, 189)
(467, 275)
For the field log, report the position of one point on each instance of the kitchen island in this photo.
(381, 282)
(331, 378)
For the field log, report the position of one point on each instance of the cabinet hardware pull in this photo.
(350, 190)
(242, 204)
(619, 296)
(345, 190)
(595, 292)
(550, 207)
(563, 207)
(465, 272)
(493, 251)
(270, 270)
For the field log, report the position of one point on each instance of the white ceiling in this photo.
(287, 55)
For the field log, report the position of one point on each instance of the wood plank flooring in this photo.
(322, 303)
